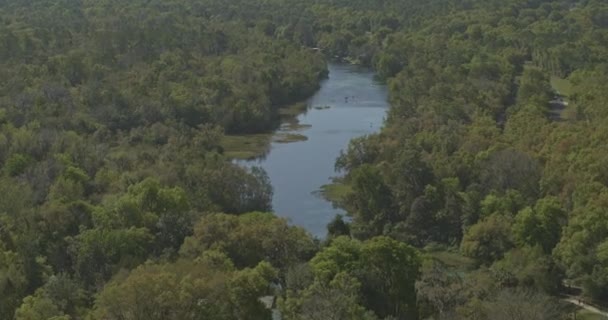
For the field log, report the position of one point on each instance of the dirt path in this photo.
(585, 306)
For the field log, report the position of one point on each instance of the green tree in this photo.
(541, 225)
(386, 268)
(163, 211)
(520, 305)
(439, 290)
(338, 227)
(98, 253)
(39, 307)
(209, 288)
(339, 299)
(534, 87)
(250, 239)
(488, 240)
(16, 164)
(370, 203)
(511, 170)
(389, 273)
(13, 284)
(529, 267)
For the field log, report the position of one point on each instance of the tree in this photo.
(534, 87)
(488, 240)
(419, 226)
(520, 305)
(98, 253)
(370, 203)
(508, 204)
(13, 282)
(360, 151)
(209, 288)
(541, 225)
(388, 64)
(342, 255)
(338, 227)
(511, 169)
(250, 239)
(386, 268)
(16, 164)
(39, 307)
(595, 285)
(439, 290)
(234, 189)
(65, 293)
(389, 272)
(408, 176)
(580, 240)
(339, 300)
(112, 123)
(163, 211)
(529, 267)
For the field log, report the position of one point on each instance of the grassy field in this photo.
(563, 86)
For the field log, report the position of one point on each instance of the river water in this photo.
(357, 106)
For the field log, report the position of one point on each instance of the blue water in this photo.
(298, 169)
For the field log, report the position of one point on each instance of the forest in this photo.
(481, 198)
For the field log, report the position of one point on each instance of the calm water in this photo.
(297, 170)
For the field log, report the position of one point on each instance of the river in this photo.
(357, 106)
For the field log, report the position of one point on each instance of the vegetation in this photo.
(117, 121)
(563, 86)
(335, 192)
(245, 146)
(588, 315)
(289, 137)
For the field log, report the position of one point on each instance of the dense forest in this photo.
(481, 198)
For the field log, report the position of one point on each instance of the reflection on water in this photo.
(357, 106)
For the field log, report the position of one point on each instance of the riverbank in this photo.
(349, 104)
(252, 146)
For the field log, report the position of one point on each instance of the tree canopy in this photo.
(486, 188)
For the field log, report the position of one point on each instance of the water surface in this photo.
(357, 106)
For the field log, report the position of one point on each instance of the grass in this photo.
(289, 116)
(250, 146)
(335, 192)
(246, 146)
(583, 314)
(293, 110)
(563, 86)
(294, 126)
(289, 137)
